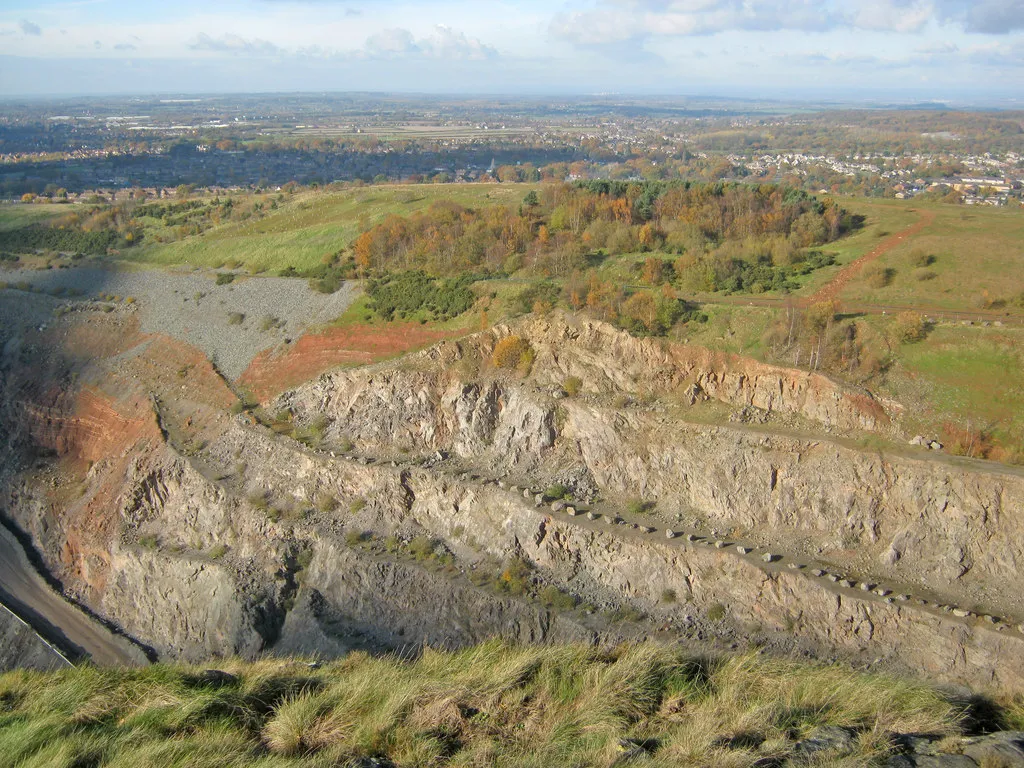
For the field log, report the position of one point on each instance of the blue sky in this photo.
(930, 49)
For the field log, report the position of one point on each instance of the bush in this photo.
(512, 352)
(556, 491)
(516, 577)
(925, 274)
(325, 502)
(236, 318)
(223, 278)
(555, 598)
(716, 612)
(878, 276)
(407, 293)
(668, 596)
(357, 505)
(640, 507)
(910, 327)
(422, 547)
(218, 552)
(921, 258)
(572, 386)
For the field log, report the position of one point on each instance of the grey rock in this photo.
(827, 738)
(670, 534)
(571, 511)
(591, 516)
(1005, 749)
(743, 550)
(770, 557)
(817, 572)
(558, 506)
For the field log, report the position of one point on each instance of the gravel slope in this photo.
(190, 306)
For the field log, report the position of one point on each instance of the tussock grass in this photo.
(489, 705)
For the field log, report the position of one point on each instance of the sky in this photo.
(945, 50)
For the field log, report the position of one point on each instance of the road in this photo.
(64, 625)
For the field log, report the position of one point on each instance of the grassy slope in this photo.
(492, 705)
(15, 215)
(979, 255)
(311, 224)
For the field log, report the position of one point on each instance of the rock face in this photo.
(230, 549)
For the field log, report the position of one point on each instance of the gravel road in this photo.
(190, 306)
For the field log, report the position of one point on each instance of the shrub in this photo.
(512, 352)
(516, 577)
(909, 327)
(223, 278)
(878, 276)
(921, 258)
(925, 274)
(716, 612)
(236, 318)
(218, 552)
(555, 598)
(572, 386)
(640, 506)
(325, 502)
(422, 547)
(556, 491)
(668, 596)
(357, 505)
(149, 542)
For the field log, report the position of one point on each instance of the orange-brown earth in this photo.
(274, 371)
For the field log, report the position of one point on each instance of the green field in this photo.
(16, 215)
(310, 224)
(978, 259)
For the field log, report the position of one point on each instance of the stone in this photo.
(720, 544)
(935, 445)
(591, 516)
(881, 592)
(847, 583)
(527, 493)
(538, 500)
(743, 550)
(961, 613)
(1004, 748)
(558, 506)
(817, 572)
(646, 529)
(866, 587)
(794, 566)
(917, 440)
(833, 578)
(769, 557)
(571, 511)
(827, 738)
(691, 538)
(610, 520)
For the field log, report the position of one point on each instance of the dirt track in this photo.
(72, 630)
(834, 287)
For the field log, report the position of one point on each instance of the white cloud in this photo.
(234, 44)
(444, 43)
(29, 28)
(613, 21)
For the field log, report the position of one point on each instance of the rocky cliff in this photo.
(251, 541)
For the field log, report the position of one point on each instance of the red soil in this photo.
(275, 371)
